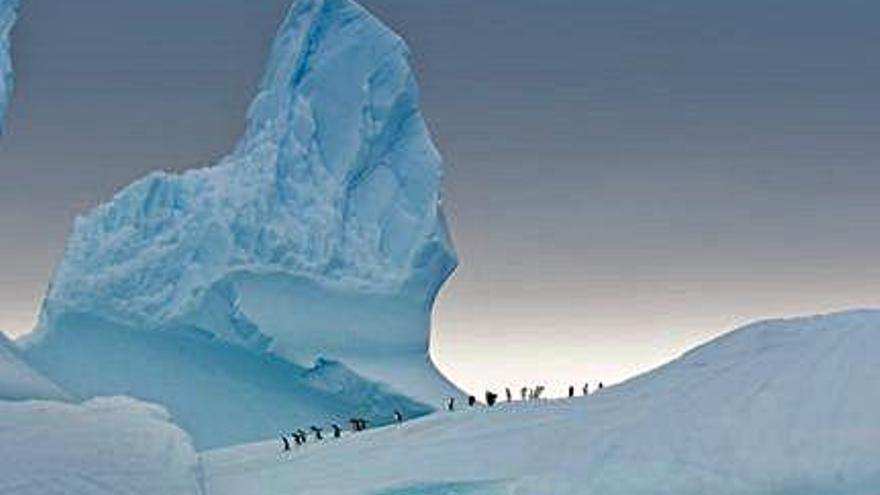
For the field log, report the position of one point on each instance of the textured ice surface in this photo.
(8, 10)
(336, 181)
(320, 237)
(108, 446)
(19, 381)
(780, 407)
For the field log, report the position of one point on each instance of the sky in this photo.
(625, 179)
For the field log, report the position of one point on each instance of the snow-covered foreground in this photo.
(780, 407)
(113, 446)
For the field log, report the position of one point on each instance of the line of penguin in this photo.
(525, 393)
(300, 437)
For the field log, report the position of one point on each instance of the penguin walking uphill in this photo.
(317, 432)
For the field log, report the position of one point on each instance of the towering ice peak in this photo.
(8, 9)
(336, 181)
(320, 238)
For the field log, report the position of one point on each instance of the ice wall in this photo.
(8, 10)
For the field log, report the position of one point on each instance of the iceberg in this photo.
(320, 239)
(8, 10)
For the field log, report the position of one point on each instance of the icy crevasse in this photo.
(8, 10)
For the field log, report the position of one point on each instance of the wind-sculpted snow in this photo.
(8, 9)
(320, 237)
(784, 407)
(107, 446)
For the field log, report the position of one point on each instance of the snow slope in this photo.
(8, 10)
(19, 381)
(779, 407)
(320, 237)
(108, 446)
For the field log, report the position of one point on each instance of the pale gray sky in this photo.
(625, 179)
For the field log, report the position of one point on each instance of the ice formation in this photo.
(220, 393)
(107, 446)
(8, 10)
(19, 381)
(320, 236)
(782, 407)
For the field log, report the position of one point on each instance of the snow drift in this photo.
(104, 447)
(8, 9)
(778, 407)
(320, 237)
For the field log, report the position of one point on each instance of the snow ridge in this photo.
(777, 407)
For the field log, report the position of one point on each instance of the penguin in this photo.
(317, 433)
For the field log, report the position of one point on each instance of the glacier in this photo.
(8, 11)
(777, 407)
(320, 239)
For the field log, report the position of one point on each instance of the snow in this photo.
(106, 446)
(782, 407)
(8, 10)
(320, 237)
(19, 381)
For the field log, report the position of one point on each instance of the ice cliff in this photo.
(8, 9)
(321, 236)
